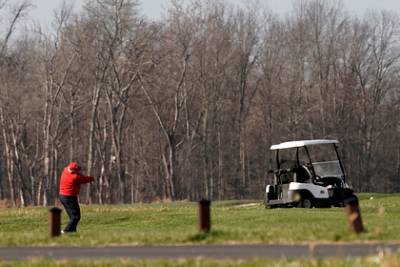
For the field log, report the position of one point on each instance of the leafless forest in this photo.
(187, 106)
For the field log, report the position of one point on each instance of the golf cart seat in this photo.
(303, 174)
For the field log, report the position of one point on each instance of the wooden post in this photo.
(353, 214)
(204, 216)
(54, 222)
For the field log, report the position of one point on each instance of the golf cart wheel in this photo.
(306, 202)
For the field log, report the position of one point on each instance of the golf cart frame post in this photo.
(324, 190)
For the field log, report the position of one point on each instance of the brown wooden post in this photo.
(353, 214)
(54, 222)
(204, 216)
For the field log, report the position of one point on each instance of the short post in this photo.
(54, 222)
(353, 214)
(204, 216)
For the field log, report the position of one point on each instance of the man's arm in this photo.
(85, 179)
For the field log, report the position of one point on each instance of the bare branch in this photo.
(19, 13)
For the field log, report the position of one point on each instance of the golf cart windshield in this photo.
(328, 169)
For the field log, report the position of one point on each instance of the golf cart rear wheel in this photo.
(306, 202)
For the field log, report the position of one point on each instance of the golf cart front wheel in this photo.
(306, 203)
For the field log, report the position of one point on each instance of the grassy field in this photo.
(232, 222)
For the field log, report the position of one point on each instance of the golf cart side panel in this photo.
(282, 197)
(315, 190)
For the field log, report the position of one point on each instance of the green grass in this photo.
(373, 261)
(232, 222)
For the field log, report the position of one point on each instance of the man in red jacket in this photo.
(70, 185)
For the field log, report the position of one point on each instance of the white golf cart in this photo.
(309, 173)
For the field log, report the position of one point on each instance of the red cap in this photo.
(74, 167)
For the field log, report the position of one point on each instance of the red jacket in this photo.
(70, 183)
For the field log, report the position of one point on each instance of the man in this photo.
(70, 185)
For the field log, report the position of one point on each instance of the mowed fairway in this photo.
(176, 223)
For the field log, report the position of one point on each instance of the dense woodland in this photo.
(187, 106)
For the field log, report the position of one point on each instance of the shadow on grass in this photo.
(200, 237)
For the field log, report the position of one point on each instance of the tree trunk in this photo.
(206, 175)
(242, 161)
(92, 128)
(22, 187)
(221, 181)
(9, 163)
(169, 168)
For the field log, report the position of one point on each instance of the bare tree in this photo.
(18, 12)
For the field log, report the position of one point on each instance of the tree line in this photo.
(186, 107)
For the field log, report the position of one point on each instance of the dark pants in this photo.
(71, 206)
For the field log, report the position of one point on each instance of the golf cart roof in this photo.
(302, 143)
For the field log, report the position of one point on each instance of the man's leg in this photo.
(72, 208)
